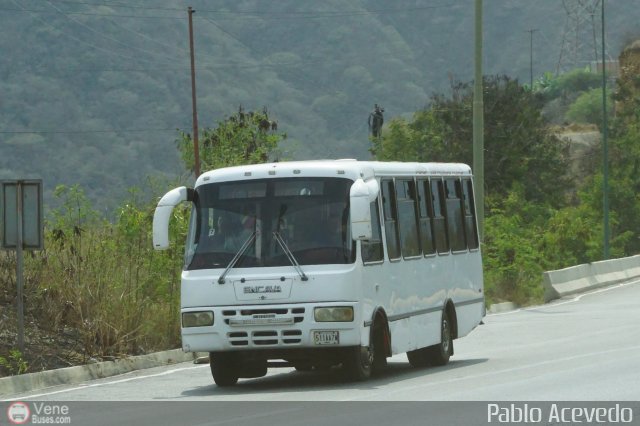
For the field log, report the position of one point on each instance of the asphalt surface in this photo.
(585, 348)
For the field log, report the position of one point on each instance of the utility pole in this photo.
(196, 150)
(478, 123)
(605, 148)
(20, 266)
(531, 31)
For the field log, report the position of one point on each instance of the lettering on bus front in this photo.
(263, 289)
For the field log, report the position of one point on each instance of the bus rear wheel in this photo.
(224, 369)
(438, 354)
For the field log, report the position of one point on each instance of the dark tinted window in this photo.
(408, 222)
(426, 217)
(455, 222)
(470, 227)
(310, 215)
(390, 219)
(372, 250)
(439, 215)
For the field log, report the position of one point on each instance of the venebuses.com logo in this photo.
(18, 413)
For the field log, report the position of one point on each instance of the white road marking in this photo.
(411, 389)
(575, 299)
(113, 382)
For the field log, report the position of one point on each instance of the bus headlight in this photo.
(197, 319)
(334, 314)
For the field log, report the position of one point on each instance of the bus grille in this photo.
(265, 337)
(247, 316)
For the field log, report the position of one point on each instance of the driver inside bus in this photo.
(329, 234)
(227, 235)
(333, 236)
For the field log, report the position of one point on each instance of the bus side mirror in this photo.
(163, 214)
(360, 197)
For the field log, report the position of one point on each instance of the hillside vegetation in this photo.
(105, 85)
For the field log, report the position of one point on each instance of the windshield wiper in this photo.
(235, 259)
(290, 255)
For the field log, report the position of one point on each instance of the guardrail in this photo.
(577, 279)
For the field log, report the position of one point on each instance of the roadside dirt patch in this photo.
(44, 349)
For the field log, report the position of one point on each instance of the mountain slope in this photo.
(92, 92)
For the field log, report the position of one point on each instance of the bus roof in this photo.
(348, 168)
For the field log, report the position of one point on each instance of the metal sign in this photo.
(22, 228)
(21, 214)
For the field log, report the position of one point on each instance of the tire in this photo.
(358, 363)
(224, 369)
(419, 358)
(439, 354)
(303, 366)
(252, 369)
(435, 355)
(379, 343)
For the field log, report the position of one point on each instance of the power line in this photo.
(151, 39)
(109, 15)
(81, 41)
(17, 132)
(328, 14)
(103, 35)
(124, 5)
(266, 12)
(227, 33)
(244, 15)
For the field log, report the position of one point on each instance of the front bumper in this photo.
(268, 327)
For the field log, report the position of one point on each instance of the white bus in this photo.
(314, 264)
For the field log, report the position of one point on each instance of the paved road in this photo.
(582, 349)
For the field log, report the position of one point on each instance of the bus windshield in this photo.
(311, 215)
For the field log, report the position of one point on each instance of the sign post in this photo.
(22, 228)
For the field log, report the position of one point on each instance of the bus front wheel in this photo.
(224, 369)
(358, 363)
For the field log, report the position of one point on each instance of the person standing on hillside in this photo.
(376, 120)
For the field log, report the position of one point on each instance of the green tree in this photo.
(243, 138)
(574, 81)
(624, 188)
(587, 108)
(518, 145)
(513, 264)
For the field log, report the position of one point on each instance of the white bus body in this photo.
(320, 263)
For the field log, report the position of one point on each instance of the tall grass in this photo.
(100, 281)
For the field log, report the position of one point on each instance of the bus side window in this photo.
(372, 249)
(408, 224)
(439, 217)
(471, 230)
(426, 217)
(390, 219)
(455, 221)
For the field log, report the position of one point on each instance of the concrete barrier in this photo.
(577, 279)
(82, 373)
(498, 308)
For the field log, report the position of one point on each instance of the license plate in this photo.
(326, 337)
